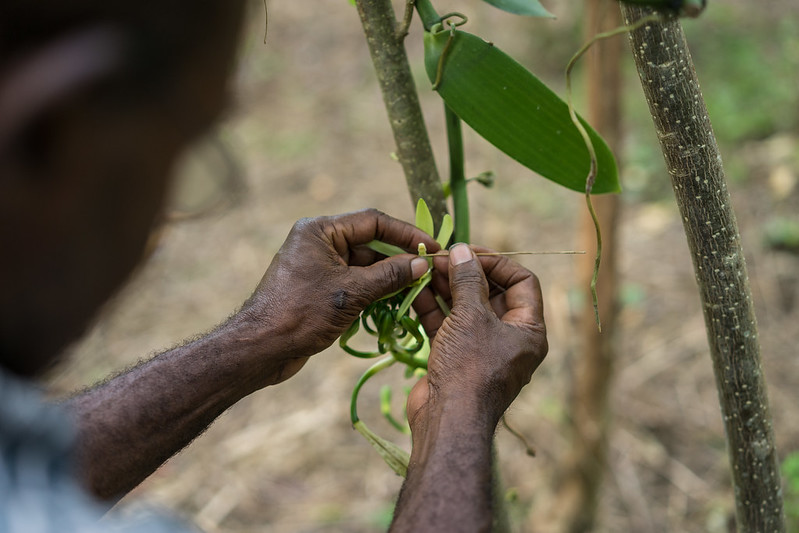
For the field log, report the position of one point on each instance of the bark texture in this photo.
(694, 164)
(402, 104)
(584, 466)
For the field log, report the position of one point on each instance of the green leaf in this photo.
(386, 249)
(445, 231)
(513, 110)
(424, 220)
(393, 455)
(532, 8)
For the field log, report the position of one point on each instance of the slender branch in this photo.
(694, 164)
(407, 18)
(402, 104)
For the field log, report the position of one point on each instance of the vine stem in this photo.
(457, 178)
(589, 145)
(371, 371)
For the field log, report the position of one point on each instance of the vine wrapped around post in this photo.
(694, 164)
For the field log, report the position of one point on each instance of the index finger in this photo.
(523, 299)
(358, 228)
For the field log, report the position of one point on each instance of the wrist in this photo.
(459, 403)
(248, 351)
(448, 486)
(454, 419)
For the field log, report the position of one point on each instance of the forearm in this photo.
(449, 483)
(130, 425)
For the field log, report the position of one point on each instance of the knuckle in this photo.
(395, 276)
(302, 225)
(373, 212)
(359, 294)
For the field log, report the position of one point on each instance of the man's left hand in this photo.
(324, 276)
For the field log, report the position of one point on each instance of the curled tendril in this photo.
(463, 19)
(444, 20)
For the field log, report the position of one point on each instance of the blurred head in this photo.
(97, 98)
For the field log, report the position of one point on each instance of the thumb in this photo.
(390, 275)
(466, 278)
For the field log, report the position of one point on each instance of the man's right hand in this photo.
(491, 343)
(482, 355)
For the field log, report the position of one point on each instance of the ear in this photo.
(44, 79)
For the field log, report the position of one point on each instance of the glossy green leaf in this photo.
(445, 231)
(424, 220)
(509, 107)
(532, 8)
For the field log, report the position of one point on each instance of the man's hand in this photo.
(324, 276)
(317, 284)
(487, 349)
(482, 355)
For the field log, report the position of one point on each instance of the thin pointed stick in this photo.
(545, 252)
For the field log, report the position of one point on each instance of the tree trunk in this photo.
(582, 471)
(402, 104)
(694, 164)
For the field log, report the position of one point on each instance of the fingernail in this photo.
(460, 253)
(418, 267)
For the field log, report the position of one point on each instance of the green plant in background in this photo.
(790, 472)
(782, 233)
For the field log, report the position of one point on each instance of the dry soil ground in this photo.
(307, 128)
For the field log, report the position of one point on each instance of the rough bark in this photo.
(695, 167)
(402, 104)
(583, 468)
